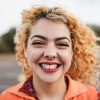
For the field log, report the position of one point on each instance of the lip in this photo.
(50, 63)
(50, 71)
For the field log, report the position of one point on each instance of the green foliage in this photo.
(7, 42)
(96, 29)
(98, 42)
(4, 48)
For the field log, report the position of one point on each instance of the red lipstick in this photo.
(49, 70)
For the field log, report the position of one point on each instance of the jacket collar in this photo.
(75, 88)
(27, 90)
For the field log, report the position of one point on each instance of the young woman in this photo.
(56, 51)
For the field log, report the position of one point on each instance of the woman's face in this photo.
(49, 50)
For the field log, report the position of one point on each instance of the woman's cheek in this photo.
(66, 57)
(34, 54)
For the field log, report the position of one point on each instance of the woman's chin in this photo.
(49, 76)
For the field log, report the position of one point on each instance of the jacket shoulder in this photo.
(8, 94)
(91, 92)
(13, 93)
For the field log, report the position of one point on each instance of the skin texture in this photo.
(55, 46)
(37, 53)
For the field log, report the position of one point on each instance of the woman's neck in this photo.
(53, 90)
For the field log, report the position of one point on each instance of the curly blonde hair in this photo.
(83, 40)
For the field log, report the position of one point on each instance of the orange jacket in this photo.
(76, 91)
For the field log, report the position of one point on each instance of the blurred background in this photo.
(10, 17)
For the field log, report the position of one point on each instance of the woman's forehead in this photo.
(45, 26)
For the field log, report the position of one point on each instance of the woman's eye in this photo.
(38, 44)
(63, 45)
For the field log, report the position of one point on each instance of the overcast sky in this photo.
(87, 11)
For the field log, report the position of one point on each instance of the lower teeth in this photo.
(47, 67)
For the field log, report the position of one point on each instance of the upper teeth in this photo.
(46, 66)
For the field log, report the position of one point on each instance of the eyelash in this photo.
(37, 43)
(63, 44)
(59, 45)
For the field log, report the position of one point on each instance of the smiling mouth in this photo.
(49, 68)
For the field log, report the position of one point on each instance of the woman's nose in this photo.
(50, 53)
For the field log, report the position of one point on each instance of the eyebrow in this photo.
(44, 38)
(39, 36)
(61, 38)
